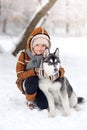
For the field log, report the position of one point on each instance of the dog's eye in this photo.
(55, 60)
(51, 61)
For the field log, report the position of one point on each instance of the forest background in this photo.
(65, 18)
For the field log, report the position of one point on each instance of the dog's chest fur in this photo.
(51, 87)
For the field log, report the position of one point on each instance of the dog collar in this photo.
(42, 73)
(54, 77)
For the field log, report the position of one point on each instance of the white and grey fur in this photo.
(58, 91)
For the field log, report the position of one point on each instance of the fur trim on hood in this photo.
(37, 34)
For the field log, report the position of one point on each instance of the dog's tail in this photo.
(80, 100)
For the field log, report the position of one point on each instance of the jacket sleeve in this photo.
(62, 72)
(21, 71)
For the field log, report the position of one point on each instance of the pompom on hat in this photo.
(38, 36)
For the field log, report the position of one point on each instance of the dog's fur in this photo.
(58, 91)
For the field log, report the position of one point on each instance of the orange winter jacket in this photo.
(23, 59)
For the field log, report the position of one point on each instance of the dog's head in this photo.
(51, 62)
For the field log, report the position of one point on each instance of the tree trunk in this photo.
(4, 25)
(34, 21)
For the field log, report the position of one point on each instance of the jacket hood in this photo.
(35, 32)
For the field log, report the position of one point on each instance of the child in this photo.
(28, 61)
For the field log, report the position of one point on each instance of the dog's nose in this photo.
(55, 69)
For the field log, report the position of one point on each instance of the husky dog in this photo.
(58, 91)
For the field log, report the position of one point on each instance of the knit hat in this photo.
(38, 36)
(40, 39)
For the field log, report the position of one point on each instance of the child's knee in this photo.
(31, 85)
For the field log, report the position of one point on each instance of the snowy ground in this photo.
(14, 114)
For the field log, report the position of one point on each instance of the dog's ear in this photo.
(56, 53)
(46, 53)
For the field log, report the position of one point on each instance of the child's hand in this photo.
(62, 71)
(39, 72)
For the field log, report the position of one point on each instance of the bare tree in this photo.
(32, 24)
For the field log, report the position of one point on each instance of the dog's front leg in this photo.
(44, 86)
(51, 104)
(52, 109)
(65, 104)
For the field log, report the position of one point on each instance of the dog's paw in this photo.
(51, 114)
(65, 114)
(77, 108)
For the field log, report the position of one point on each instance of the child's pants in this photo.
(34, 93)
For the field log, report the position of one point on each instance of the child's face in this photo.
(39, 49)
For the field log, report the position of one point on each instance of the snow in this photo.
(15, 115)
(7, 42)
